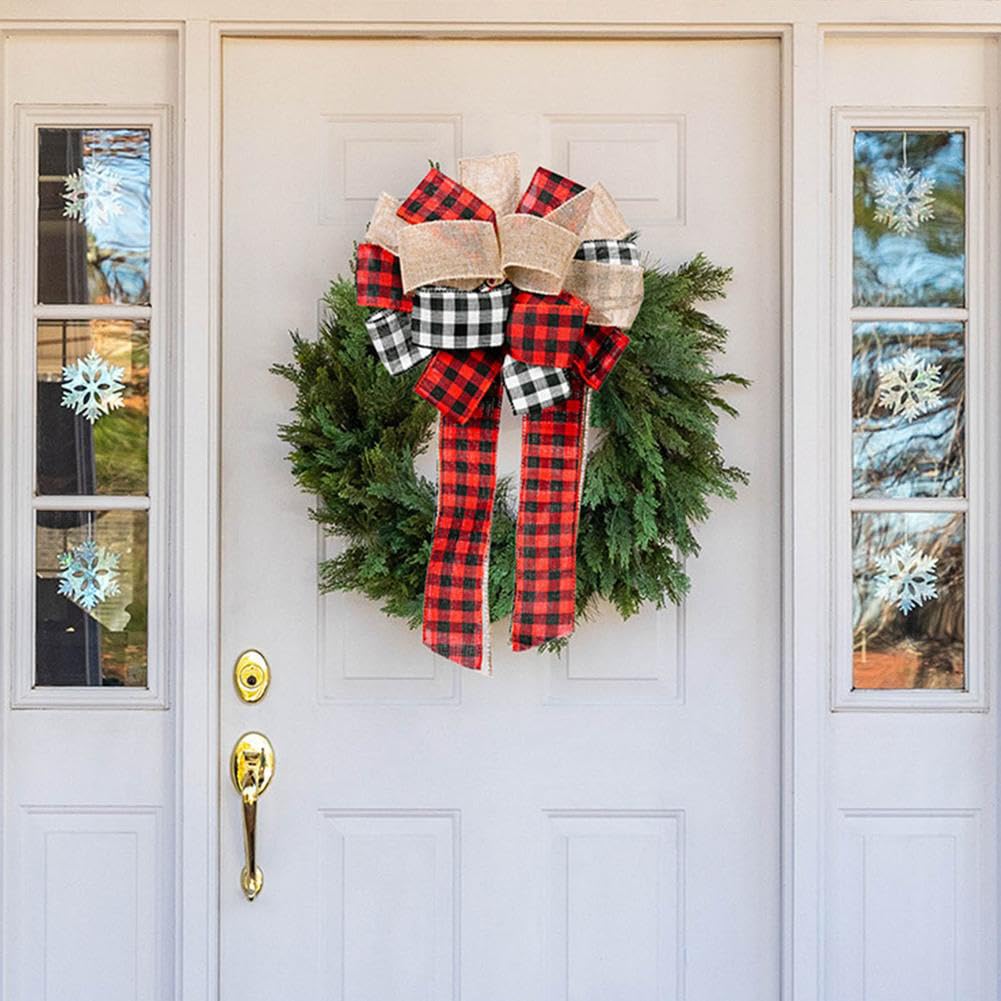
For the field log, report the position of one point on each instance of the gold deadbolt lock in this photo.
(251, 675)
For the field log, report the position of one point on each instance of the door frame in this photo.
(801, 28)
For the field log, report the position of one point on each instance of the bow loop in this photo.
(535, 254)
(385, 226)
(543, 329)
(461, 253)
(456, 382)
(546, 191)
(378, 280)
(496, 179)
(460, 321)
(614, 291)
(439, 197)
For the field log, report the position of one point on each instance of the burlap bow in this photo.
(532, 293)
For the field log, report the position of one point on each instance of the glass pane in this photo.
(93, 406)
(909, 610)
(91, 598)
(909, 235)
(908, 409)
(93, 215)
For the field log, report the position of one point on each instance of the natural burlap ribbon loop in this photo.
(385, 227)
(573, 214)
(613, 291)
(459, 253)
(496, 179)
(604, 220)
(535, 253)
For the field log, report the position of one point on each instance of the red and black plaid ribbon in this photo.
(547, 191)
(545, 329)
(378, 280)
(456, 614)
(544, 334)
(552, 459)
(597, 353)
(439, 197)
(457, 382)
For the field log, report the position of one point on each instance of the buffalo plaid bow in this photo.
(544, 352)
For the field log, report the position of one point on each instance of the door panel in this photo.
(593, 826)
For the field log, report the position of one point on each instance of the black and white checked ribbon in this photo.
(453, 320)
(532, 388)
(390, 333)
(608, 252)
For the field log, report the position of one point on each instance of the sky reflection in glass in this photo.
(94, 216)
(918, 261)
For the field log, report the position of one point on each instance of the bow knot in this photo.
(450, 259)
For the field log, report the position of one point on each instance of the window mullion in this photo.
(46, 311)
(101, 502)
(908, 314)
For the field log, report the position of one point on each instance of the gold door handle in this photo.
(252, 764)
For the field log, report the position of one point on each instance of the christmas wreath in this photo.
(534, 296)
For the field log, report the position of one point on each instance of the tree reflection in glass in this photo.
(908, 409)
(908, 600)
(107, 455)
(909, 234)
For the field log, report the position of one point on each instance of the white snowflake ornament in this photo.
(905, 198)
(88, 574)
(92, 195)
(92, 387)
(906, 578)
(910, 386)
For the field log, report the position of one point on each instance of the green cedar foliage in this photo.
(653, 468)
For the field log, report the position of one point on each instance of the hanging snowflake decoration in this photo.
(93, 195)
(88, 574)
(92, 387)
(906, 577)
(904, 199)
(910, 386)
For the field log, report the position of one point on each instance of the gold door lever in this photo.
(252, 765)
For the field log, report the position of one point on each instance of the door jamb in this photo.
(199, 704)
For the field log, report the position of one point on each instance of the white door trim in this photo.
(198, 699)
(805, 498)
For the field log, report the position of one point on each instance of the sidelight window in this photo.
(907, 305)
(96, 323)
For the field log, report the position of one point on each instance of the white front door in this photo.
(601, 826)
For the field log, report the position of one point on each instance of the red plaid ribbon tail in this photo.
(456, 597)
(552, 461)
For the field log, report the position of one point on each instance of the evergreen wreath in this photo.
(654, 465)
